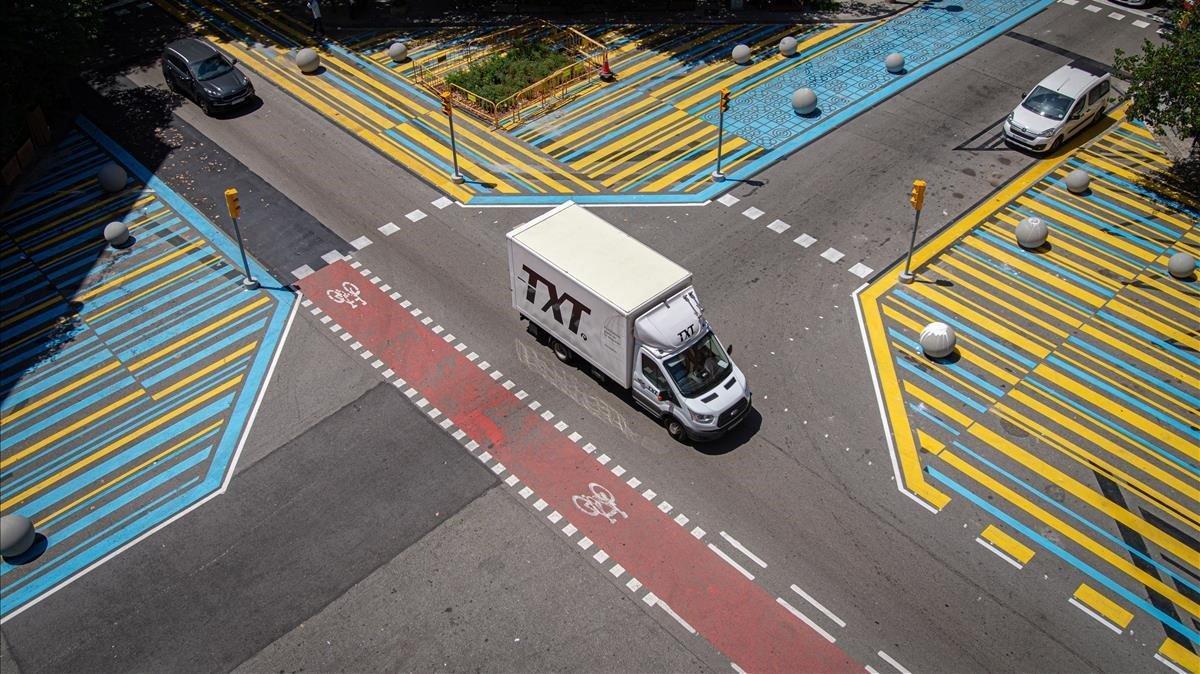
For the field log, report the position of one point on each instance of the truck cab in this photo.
(684, 375)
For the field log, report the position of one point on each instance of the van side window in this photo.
(1098, 93)
(653, 374)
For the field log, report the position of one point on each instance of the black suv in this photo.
(197, 70)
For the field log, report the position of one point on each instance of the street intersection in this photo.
(1028, 505)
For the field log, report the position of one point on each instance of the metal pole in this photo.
(456, 177)
(717, 176)
(907, 276)
(249, 282)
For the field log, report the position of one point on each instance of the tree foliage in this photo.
(1165, 78)
(498, 77)
(46, 42)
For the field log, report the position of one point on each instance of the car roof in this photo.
(192, 49)
(1074, 78)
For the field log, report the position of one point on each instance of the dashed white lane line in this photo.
(892, 661)
(416, 215)
(441, 203)
(302, 271)
(742, 549)
(331, 257)
(1140, 24)
(1069, 2)
(804, 240)
(389, 229)
(833, 254)
(753, 213)
(1092, 8)
(1116, 15)
(728, 200)
(861, 270)
(805, 619)
(828, 614)
(729, 560)
(779, 226)
(360, 243)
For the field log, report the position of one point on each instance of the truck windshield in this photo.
(702, 366)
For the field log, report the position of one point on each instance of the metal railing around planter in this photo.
(537, 98)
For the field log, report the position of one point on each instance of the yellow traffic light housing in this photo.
(724, 100)
(231, 202)
(917, 196)
(446, 109)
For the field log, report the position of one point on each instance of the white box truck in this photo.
(595, 292)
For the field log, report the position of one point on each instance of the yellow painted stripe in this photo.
(96, 215)
(197, 334)
(69, 429)
(1062, 218)
(1109, 609)
(1178, 654)
(641, 138)
(1014, 337)
(1187, 338)
(108, 484)
(434, 146)
(95, 456)
(18, 214)
(694, 166)
(1014, 307)
(1052, 280)
(1091, 461)
(1136, 352)
(1115, 560)
(1137, 130)
(1117, 379)
(589, 130)
(1162, 307)
(704, 129)
(736, 75)
(1018, 289)
(50, 301)
(1007, 544)
(973, 352)
(140, 270)
(937, 404)
(1072, 258)
(211, 261)
(205, 371)
(57, 393)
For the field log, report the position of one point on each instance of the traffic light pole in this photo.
(917, 198)
(456, 177)
(723, 103)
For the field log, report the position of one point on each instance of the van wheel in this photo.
(562, 352)
(675, 429)
(1056, 144)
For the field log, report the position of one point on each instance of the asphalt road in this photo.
(807, 486)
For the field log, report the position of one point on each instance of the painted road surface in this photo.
(129, 376)
(647, 548)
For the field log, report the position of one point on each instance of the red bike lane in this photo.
(736, 615)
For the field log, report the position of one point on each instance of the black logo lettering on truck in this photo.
(686, 333)
(555, 300)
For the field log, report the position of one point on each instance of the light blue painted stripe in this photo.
(40, 319)
(37, 385)
(662, 167)
(189, 305)
(1112, 207)
(1052, 267)
(1133, 187)
(727, 160)
(96, 390)
(966, 329)
(69, 275)
(395, 80)
(924, 411)
(34, 231)
(970, 402)
(1168, 390)
(1064, 555)
(556, 199)
(86, 241)
(1160, 416)
(119, 460)
(960, 371)
(52, 363)
(1105, 422)
(151, 342)
(88, 161)
(78, 405)
(210, 349)
(635, 121)
(1016, 276)
(376, 103)
(1089, 237)
(1179, 351)
(200, 281)
(619, 101)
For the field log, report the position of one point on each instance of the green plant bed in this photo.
(498, 77)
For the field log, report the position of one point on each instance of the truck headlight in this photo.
(1047, 133)
(701, 418)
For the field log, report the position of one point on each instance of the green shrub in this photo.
(502, 75)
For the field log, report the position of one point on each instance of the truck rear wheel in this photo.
(562, 352)
(675, 429)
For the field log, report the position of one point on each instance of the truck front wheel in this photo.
(562, 352)
(675, 429)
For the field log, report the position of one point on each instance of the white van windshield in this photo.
(702, 366)
(1047, 103)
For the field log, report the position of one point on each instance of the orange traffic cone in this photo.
(606, 73)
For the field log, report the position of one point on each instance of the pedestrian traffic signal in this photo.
(231, 202)
(724, 100)
(446, 103)
(917, 196)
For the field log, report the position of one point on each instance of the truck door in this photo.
(650, 387)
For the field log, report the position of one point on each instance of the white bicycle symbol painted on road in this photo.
(348, 294)
(600, 504)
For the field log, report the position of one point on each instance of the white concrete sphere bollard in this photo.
(308, 60)
(1032, 233)
(787, 46)
(1078, 181)
(1181, 265)
(398, 51)
(741, 54)
(894, 63)
(112, 177)
(938, 340)
(804, 101)
(16, 535)
(116, 233)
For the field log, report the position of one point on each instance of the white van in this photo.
(1059, 107)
